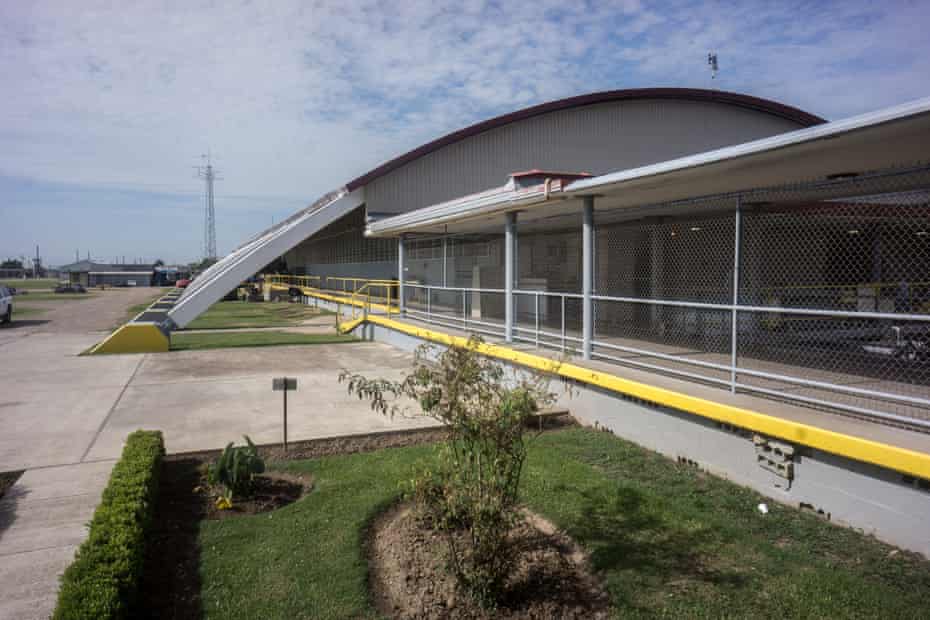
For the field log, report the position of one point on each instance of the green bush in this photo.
(473, 488)
(103, 580)
(235, 469)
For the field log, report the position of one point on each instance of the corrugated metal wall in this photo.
(597, 139)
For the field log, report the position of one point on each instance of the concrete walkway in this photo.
(64, 419)
(42, 520)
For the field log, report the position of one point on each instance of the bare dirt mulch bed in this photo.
(410, 579)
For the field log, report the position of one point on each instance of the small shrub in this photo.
(475, 487)
(103, 580)
(234, 471)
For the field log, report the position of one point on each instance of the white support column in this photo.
(400, 274)
(510, 239)
(444, 262)
(734, 327)
(587, 276)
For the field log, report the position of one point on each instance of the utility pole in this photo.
(208, 174)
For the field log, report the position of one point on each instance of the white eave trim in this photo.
(505, 198)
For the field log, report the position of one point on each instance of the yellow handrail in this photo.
(363, 294)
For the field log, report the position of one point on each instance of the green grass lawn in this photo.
(668, 540)
(237, 314)
(30, 284)
(224, 340)
(54, 296)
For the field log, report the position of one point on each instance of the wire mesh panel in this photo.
(549, 319)
(684, 258)
(687, 257)
(872, 364)
(866, 253)
(551, 260)
(679, 339)
(423, 261)
(343, 241)
(475, 261)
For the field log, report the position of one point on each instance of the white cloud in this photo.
(297, 97)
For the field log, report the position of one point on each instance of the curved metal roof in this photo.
(684, 94)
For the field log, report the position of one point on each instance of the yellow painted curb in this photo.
(345, 328)
(134, 338)
(849, 446)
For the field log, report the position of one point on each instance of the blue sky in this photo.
(107, 106)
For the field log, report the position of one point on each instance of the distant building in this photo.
(89, 273)
(13, 273)
(168, 275)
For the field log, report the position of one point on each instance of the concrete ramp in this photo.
(251, 256)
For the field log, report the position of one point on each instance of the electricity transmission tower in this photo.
(208, 173)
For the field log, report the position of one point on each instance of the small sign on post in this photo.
(284, 384)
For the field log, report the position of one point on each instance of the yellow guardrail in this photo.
(351, 285)
(300, 281)
(852, 447)
(365, 295)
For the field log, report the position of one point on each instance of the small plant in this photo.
(234, 472)
(474, 489)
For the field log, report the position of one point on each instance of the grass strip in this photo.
(43, 296)
(668, 540)
(103, 580)
(20, 284)
(240, 314)
(181, 341)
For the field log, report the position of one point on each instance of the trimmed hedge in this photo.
(103, 580)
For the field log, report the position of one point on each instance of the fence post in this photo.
(429, 302)
(587, 277)
(400, 275)
(510, 229)
(563, 323)
(537, 319)
(444, 262)
(737, 240)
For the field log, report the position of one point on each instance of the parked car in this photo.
(70, 288)
(182, 283)
(6, 305)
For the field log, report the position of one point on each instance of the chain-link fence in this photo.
(456, 281)
(814, 293)
(832, 293)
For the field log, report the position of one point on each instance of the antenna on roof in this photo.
(712, 63)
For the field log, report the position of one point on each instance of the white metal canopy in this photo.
(248, 258)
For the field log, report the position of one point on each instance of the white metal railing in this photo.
(735, 369)
(533, 324)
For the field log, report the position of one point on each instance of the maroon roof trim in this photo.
(686, 94)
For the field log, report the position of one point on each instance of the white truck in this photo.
(6, 305)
